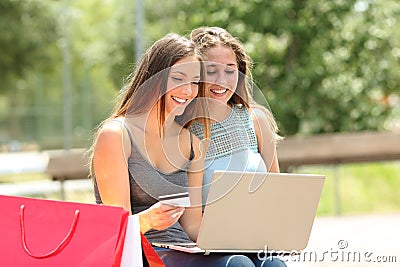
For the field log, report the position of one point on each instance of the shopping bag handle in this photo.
(58, 248)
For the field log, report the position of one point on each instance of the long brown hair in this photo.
(147, 84)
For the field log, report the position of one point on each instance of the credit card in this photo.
(179, 199)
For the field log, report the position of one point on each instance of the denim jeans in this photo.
(173, 258)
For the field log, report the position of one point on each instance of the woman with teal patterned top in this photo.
(243, 134)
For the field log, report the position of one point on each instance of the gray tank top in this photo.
(147, 184)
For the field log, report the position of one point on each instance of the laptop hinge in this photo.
(207, 252)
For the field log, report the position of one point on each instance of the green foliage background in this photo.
(323, 65)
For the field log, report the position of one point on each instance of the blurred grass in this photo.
(25, 177)
(83, 196)
(363, 187)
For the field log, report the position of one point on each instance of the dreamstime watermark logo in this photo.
(340, 254)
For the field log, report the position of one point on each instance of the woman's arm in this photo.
(191, 218)
(266, 138)
(111, 151)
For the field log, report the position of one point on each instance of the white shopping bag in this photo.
(132, 253)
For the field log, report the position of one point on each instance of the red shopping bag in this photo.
(38, 232)
(137, 249)
(151, 255)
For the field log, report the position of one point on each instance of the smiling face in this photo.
(222, 73)
(182, 85)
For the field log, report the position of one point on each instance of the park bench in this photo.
(66, 165)
(293, 151)
(338, 148)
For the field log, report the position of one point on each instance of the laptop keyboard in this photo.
(186, 245)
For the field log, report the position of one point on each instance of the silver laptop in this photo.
(252, 212)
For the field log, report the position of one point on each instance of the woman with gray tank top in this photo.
(141, 152)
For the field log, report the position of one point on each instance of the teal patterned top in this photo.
(233, 146)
